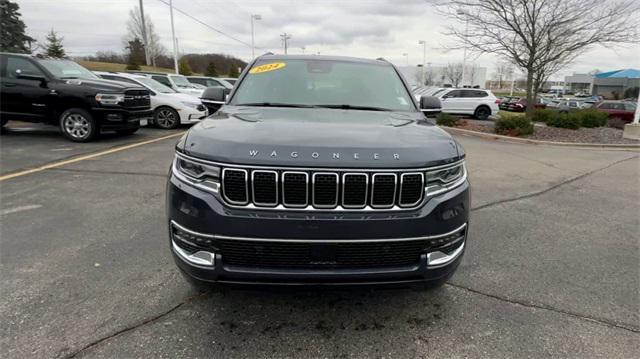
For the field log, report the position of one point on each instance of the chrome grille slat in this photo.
(295, 189)
(264, 188)
(354, 189)
(325, 189)
(411, 189)
(385, 195)
(234, 186)
(322, 189)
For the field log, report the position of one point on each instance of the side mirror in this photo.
(214, 97)
(430, 105)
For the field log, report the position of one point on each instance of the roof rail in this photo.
(382, 59)
(266, 54)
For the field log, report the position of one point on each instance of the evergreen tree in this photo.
(211, 70)
(136, 54)
(12, 29)
(184, 68)
(233, 71)
(53, 47)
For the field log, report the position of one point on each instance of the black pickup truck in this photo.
(62, 93)
(318, 170)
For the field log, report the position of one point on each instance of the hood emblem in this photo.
(334, 155)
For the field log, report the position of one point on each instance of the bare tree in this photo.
(429, 79)
(135, 31)
(453, 72)
(542, 36)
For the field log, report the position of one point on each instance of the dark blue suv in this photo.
(318, 170)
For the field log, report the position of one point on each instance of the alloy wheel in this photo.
(77, 126)
(166, 118)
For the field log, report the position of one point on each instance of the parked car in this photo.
(231, 80)
(521, 105)
(618, 109)
(344, 183)
(476, 102)
(65, 94)
(170, 108)
(505, 101)
(177, 82)
(207, 81)
(550, 102)
(572, 105)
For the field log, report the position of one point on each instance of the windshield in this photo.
(155, 85)
(66, 69)
(340, 84)
(181, 81)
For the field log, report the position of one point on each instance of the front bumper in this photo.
(203, 214)
(190, 115)
(120, 118)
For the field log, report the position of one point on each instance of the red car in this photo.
(618, 109)
(521, 105)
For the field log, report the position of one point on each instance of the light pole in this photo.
(424, 57)
(285, 38)
(144, 35)
(466, 31)
(173, 38)
(253, 49)
(406, 55)
(632, 130)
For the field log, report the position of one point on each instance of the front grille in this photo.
(136, 99)
(319, 255)
(321, 189)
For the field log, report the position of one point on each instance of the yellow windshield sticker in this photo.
(267, 67)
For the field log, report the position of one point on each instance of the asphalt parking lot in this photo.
(551, 269)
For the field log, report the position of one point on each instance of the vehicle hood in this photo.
(320, 138)
(191, 91)
(103, 85)
(178, 96)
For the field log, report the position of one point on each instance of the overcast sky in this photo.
(364, 28)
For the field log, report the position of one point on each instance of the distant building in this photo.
(613, 84)
(578, 83)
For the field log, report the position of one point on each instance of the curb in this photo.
(493, 136)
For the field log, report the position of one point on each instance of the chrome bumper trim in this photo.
(439, 259)
(321, 240)
(202, 258)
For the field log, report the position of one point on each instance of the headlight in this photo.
(445, 179)
(109, 98)
(199, 174)
(191, 104)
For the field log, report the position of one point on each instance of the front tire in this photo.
(166, 118)
(482, 113)
(78, 125)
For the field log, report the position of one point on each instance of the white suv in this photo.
(170, 108)
(476, 102)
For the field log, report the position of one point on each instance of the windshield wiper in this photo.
(355, 107)
(274, 104)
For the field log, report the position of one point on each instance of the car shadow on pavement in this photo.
(286, 322)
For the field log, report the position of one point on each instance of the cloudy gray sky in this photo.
(366, 28)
